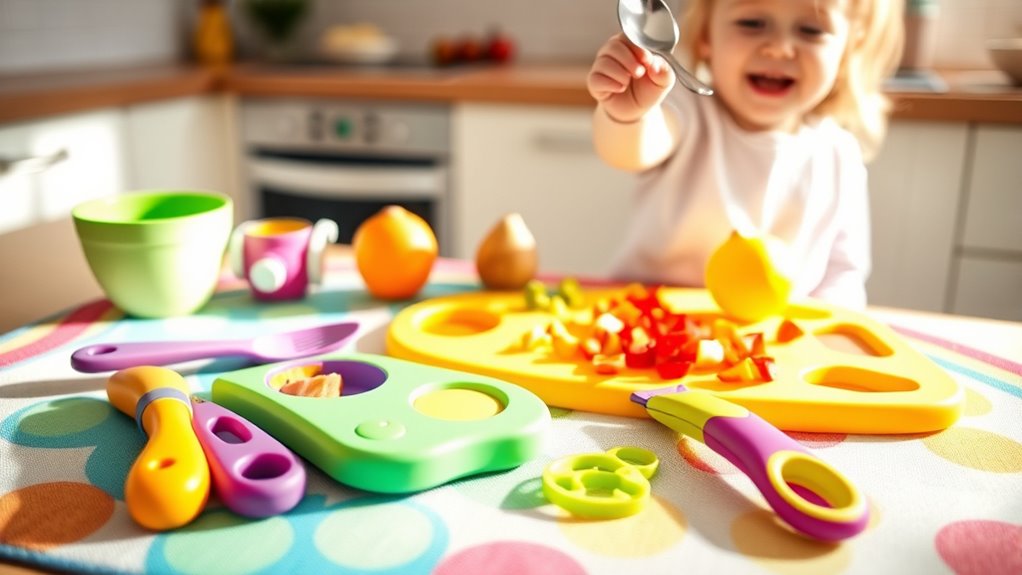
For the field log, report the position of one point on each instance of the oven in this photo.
(345, 160)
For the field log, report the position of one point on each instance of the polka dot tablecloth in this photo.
(948, 502)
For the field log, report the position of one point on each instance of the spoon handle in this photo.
(114, 356)
(685, 78)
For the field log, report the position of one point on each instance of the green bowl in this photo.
(156, 253)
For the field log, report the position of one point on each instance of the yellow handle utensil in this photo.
(168, 485)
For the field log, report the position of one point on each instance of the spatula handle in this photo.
(168, 484)
(254, 474)
(114, 356)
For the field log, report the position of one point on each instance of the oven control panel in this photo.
(411, 129)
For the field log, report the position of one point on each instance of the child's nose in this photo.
(779, 46)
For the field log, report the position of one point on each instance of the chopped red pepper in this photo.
(673, 369)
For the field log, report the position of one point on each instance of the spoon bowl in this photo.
(649, 24)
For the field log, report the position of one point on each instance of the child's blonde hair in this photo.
(856, 100)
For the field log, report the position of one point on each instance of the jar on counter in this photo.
(214, 44)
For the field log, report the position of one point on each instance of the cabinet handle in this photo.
(564, 142)
(32, 164)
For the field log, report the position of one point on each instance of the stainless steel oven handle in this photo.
(350, 181)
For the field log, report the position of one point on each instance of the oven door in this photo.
(350, 189)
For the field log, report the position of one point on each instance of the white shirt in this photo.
(808, 189)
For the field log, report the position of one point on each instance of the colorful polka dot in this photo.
(526, 495)
(48, 515)
(703, 458)
(510, 558)
(976, 404)
(977, 449)
(221, 542)
(64, 417)
(981, 547)
(764, 539)
(658, 527)
(394, 534)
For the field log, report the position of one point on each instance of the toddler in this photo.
(778, 149)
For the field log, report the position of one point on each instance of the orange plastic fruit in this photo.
(394, 252)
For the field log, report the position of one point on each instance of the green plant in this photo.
(277, 18)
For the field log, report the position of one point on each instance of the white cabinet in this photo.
(947, 208)
(537, 161)
(987, 277)
(66, 160)
(915, 186)
(185, 143)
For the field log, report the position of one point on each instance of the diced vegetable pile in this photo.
(637, 330)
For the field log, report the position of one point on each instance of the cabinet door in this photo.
(185, 143)
(993, 214)
(988, 287)
(914, 195)
(538, 161)
(67, 160)
(988, 278)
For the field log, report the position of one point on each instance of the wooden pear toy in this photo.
(507, 258)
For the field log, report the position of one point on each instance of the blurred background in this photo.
(47, 34)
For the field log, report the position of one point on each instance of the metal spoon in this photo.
(649, 24)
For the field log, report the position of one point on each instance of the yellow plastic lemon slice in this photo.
(749, 277)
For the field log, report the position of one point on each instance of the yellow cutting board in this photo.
(848, 373)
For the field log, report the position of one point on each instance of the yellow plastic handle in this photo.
(168, 485)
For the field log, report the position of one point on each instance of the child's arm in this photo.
(630, 129)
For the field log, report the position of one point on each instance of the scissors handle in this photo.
(806, 492)
(254, 474)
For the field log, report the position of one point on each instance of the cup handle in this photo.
(236, 251)
(324, 232)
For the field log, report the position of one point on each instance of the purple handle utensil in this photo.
(269, 348)
(253, 473)
(814, 498)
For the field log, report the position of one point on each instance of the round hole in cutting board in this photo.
(356, 376)
(459, 402)
(458, 322)
(848, 338)
(859, 380)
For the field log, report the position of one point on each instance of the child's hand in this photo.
(627, 80)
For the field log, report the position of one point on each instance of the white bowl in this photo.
(376, 50)
(1007, 55)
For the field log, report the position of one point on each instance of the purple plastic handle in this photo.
(254, 474)
(116, 356)
(748, 442)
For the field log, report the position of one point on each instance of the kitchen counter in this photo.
(31, 96)
(972, 96)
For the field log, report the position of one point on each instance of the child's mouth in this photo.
(770, 85)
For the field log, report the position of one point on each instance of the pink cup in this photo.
(281, 257)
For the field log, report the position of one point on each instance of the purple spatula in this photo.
(266, 348)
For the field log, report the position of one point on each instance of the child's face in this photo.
(773, 61)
